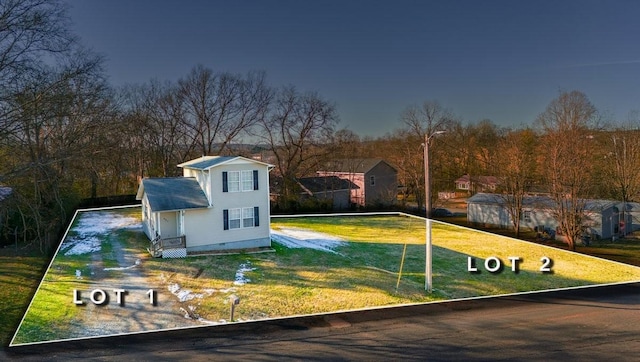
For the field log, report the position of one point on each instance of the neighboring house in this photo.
(322, 188)
(603, 218)
(474, 184)
(329, 188)
(377, 181)
(221, 203)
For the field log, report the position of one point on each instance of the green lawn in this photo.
(362, 273)
(19, 277)
(53, 312)
(452, 245)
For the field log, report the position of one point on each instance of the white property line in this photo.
(397, 213)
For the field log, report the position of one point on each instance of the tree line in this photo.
(66, 134)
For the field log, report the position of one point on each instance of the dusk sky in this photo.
(498, 60)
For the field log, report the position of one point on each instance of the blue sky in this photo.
(500, 60)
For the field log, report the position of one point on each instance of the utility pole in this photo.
(428, 285)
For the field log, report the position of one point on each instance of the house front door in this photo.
(168, 224)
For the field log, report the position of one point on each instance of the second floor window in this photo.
(234, 181)
(237, 181)
(247, 180)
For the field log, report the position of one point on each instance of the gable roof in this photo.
(326, 183)
(173, 193)
(354, 165)
(207, 162)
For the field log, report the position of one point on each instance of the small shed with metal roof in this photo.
(603, 218)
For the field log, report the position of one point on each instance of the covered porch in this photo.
(164, 203)
(172, 247)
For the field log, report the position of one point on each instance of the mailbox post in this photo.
(234, 300)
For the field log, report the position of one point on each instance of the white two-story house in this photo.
(220, 203)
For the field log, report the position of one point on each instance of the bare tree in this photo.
(568, 123)
(516, 167)
(422, 122)
(57, 114)
(485, 139)
(345, 144)
(296, 129)
(30, 31)
(425, 119)
(160, 113)
(621, 163)
(221, 106)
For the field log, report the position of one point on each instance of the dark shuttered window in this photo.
(225, 182)
(225, 217)
(256, 216)
(255, 179)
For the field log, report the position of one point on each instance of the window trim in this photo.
(235, 218)
(240, 181)
(246, 180)
(248, 215)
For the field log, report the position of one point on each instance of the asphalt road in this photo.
(601, 323)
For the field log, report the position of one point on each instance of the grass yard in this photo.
(364, 272)
(376, 241)
(53, 312)
(361, 273)
(625, 250)
(19, 277)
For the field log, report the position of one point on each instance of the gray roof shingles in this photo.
(538, 201)
(326, 183)
(174, 193)
(205, 164)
